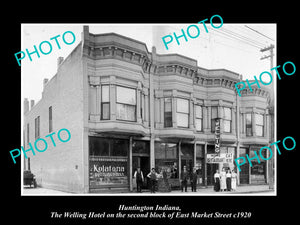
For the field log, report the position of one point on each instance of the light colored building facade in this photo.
(126, 107)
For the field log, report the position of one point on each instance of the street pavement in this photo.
(241, 190)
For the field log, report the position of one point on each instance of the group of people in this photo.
(225, 180)
(153, 177)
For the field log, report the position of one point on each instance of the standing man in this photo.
(194, 180)
(153, 178)
(138, 175)
(184, 178)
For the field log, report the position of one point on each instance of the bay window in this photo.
(227, 119)
(182, 114)
(105, 105)
(126, 103)
(259, 125)
(198, 117)
(168, 113)
(214, 116)
(248, 124)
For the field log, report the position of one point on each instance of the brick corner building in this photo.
(127, 107)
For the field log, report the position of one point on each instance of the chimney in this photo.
(59, 61)
(45, 82)
(26, 105)
(31, 104)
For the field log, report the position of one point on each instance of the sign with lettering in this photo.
(217, 136)
(107, 170)
(219, 158)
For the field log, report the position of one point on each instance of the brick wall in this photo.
(60, 167)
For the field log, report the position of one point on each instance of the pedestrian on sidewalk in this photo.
(228, 180)
(223, 179)
(194, 180)
(184, 179)
(217, 181)
(233, 180)
(138, 175)
(153, 180)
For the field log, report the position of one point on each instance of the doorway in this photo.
(144, 163)
(211, 169)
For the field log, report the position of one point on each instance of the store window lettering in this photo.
(263, 156)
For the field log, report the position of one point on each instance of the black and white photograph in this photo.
(142, 119)
(152, 119)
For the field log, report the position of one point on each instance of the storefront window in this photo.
(200, 164)
(248, 124)
(182, 114)
(166, 158)
(227, 119)
(98, 146)
(105, 106)
(119, 147)
(258, 170)
(126, 104)
(141, 147)
(259, 125)
(198, 119)
(244, 173)
(107, 162)
(168, 113)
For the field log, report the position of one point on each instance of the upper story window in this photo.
(259, 125)
(227, 119)
(50, 120)
(105, 103)
(248, 124)
(198, 117)
(214, 115)
(27, 129)
(182, 112)
(168, 113)
(37, 127)
(126, 103)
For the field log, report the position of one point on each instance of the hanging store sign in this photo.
(217, 136)
(219, 158)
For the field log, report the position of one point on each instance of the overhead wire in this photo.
(241, 38)
(234, 37)
(259, 32)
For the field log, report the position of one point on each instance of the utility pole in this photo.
(271, 164)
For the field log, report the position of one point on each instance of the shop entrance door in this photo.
(188, 163)
(144, 163)
(211, 170)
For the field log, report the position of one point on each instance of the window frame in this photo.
(199, 118)
(226, 119)
(126, 104)
(27, 131)
(259, 125)
(183, 113)
(105, 102)
(213, 120)
(50, 111)
(248, 125)
(168, 114)
(37, 127)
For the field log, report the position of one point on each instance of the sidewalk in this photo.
(244, 189)
(201, 191)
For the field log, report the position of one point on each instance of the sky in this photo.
(235, 47)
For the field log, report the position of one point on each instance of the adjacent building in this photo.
(127, 107)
